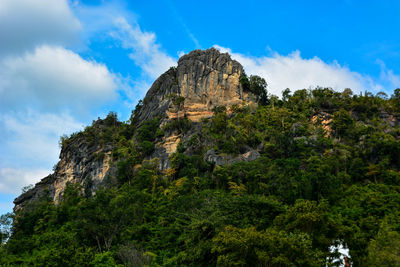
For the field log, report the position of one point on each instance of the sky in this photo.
(65, 63)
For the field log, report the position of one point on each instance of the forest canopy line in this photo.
(328, 173)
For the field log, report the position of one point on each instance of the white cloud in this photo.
(133, 89)
(145, 52)
(25, 24)
(53, 79)
(13, 180)
(294, 72)
(46, 90)
(388, 77)
(31, 138)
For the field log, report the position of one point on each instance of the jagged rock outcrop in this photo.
(222, 159)
(80, 162)
(41, 190)
(202, 80)
(205, 79)
(391, 119)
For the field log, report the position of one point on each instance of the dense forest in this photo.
(328, 175)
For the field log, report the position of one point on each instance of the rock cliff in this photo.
(202, 80)
(80, 162)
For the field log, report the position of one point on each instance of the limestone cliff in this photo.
(205, 79)
(80, 162)
(202, 80)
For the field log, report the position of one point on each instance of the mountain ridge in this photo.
(202, 81)
(293, 178)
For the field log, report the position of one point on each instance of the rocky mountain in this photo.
(80, 162)
(209, 160)
(205, 79)
(202, 81)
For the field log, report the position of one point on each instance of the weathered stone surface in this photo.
(205, 78)
(325, 119)
(41, 190)
(222, 159)
(79, 162)
(391, 119)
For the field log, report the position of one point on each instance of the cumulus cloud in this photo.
(388, 77)
(31, 138)
(46, 90)
(294, 72)
(13, 180)
(54, 78)
(29, 142)
(145, 51)
(25, 24)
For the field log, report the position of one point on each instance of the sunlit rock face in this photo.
(205, 79)
(80, 163)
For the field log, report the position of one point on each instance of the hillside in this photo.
(212, 170)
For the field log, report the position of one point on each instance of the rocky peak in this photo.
(202, 80)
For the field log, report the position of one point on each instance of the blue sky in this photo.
(64, 63)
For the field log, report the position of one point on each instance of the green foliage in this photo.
(256, 85)
(327, 172)
(178, 101)
(182, 125)
(147, 134)
(383, 250)
(342, 122)
(249, 247)
(134, 116)
(103, 260)
(5, 227)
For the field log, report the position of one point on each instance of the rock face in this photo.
(80, 162)
(205, 79)
(221, 159)
(391, 119)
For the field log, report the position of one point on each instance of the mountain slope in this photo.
(211, 170)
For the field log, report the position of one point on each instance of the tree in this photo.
(6, 221)
(134, 116)
(286, 94)
(341, 122)
(383, 250)
(256, 85)
(249, 247)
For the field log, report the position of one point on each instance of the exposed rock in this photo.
(391, 119)
(205, 78)
(79, 162)
(42, 189)
(222, 159)
(325, 119)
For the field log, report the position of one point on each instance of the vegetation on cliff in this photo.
(328, 173)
